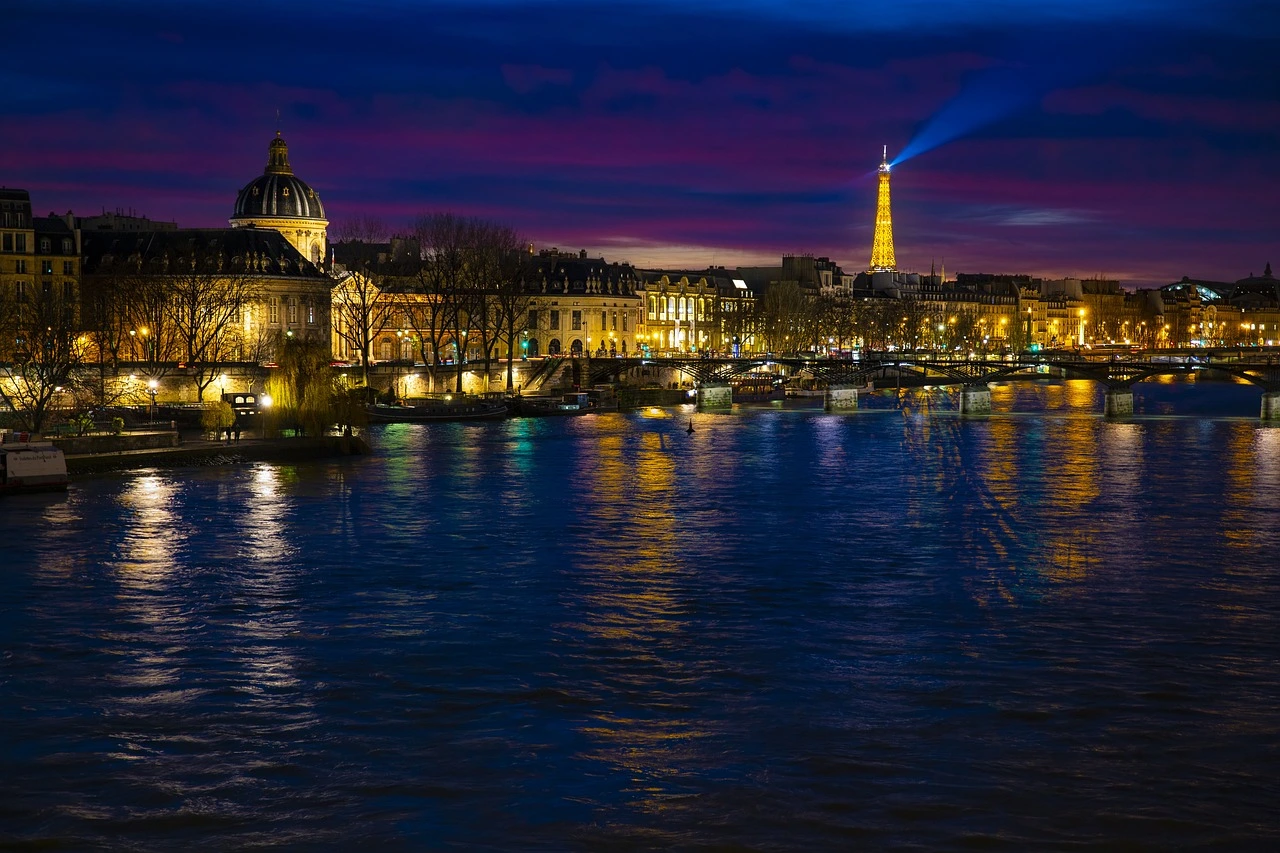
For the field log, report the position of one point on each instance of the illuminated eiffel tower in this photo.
(882, 259)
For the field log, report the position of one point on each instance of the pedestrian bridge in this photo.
(843, 379)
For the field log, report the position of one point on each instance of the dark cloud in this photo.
(1094, 134)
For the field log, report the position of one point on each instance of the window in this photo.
(44, 245)
(577, 320)
(615, 321)
(273, 310)
(671, 307)
(311, 313)
(555, 321)
(624, 323)
(46, 267)
(20, 242)
(385, 348)
(604, 321)
(8, 242)
(20, 266)
(533, 319)
(68, 291)
(293, 310)
(68, 267)
(66, 245)
(20, 288)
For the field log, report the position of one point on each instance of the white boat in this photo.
(31, 466)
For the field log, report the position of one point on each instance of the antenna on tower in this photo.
(885, 158)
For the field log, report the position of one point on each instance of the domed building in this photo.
(281, 201)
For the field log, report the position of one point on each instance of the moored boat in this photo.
(436, 410)
(31, 466)
(575, 403)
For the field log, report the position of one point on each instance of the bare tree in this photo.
(781, 316)
(206, 300)
(151, 339)
(362, 308)
(104, 318)
(497, 297)
(39, 338)
(511, 296)
(444, 239)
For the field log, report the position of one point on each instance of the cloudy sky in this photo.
(1069, 137)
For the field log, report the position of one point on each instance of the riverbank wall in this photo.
(198, 454)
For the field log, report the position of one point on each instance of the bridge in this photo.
(843, 379)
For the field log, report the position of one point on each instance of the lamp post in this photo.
(151, 389)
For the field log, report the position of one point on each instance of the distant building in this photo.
(17, 244)
(37, 255)
(816, 276)
(120, 221)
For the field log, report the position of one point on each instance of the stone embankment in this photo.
(199, 453)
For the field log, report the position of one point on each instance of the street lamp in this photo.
(151, 389)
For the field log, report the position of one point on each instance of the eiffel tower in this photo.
(882, 259)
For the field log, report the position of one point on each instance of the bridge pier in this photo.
(975, 400)
(840, 398)
(1271, 405)
(1118, 403)
(714, 395)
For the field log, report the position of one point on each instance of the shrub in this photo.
(217, 416)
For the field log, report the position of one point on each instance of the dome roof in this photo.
(278, 193)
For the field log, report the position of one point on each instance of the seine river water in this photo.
(896, 629)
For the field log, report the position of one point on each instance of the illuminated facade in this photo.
(697, 312)
(580, 305)
(290, 295)
(882, 257)
(279, 200)
(37, 256)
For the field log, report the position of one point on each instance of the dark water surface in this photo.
(786, 631)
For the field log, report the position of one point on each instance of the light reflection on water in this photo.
(784, 630)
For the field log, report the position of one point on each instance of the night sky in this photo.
(1134, 139)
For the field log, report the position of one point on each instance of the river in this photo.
(895, 629)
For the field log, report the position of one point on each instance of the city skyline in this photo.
(1069, 139)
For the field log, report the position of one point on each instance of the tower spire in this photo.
(278, 157)
(882, 258)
